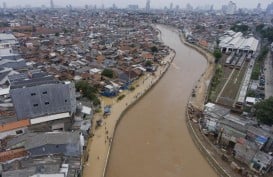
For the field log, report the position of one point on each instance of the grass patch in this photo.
(120, 97)
(215, 81)
(257, 66)
(256, 71)
(233, 86)
(132, 88)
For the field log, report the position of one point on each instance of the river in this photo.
(152, 139)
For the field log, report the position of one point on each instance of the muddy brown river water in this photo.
(152, 139)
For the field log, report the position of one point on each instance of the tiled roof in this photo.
(14, 125)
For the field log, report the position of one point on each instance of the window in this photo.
(33, 94)
(46, 103)
(45, 92)
(19, 132)
(35, 105)
(65, 100)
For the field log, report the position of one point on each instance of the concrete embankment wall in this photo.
(195, 137)
(201, 147)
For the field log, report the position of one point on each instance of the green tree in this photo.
(259, 27)
(240, 28)
(217, 54)
(148, 63)
(65, 30)
(264, 111)
(88, 91)
(57, 34)
(108, 73)
(154, 49)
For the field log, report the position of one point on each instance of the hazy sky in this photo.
(141, 3)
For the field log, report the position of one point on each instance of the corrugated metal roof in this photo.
(41, 100)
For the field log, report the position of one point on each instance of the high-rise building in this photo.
(148, 5)
(211, 8)
(269, 9)
(189, 7)
(114, 6)
(177, 7)
(230, 8)
(171, 6)
(258, 8)
(51, 4)
(4, 5)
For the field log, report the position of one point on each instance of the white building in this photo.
(231, 8)
(235, 42)
(7, 40)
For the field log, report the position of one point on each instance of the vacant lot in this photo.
(230, 92)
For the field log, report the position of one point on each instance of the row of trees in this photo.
(217, 54)
(265, 32)
(240, 28)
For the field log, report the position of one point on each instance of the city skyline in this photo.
(142, 3)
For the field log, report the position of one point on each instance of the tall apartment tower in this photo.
(51, 4)
(4, 5)
(148, 5)
(231, 8)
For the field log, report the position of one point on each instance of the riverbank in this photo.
(99, 145)
(194, 109)
(201, 88)
(152, 139)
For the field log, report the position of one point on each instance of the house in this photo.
(148, 56)
(258, 135)
(110, 90)
(17, 64)
(43, 144)
(245, 150)
(7, 40)
(234, 127)
(261, 163)
(13, 128)
(4, 73)
(43, 166)
(7, 53)
(212, 113)
(41, 98)
(12, 154)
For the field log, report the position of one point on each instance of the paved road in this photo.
(268, 71)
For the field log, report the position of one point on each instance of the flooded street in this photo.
(152, 139)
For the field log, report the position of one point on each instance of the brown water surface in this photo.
(152, 139)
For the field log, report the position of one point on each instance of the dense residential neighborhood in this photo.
(59, 67)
